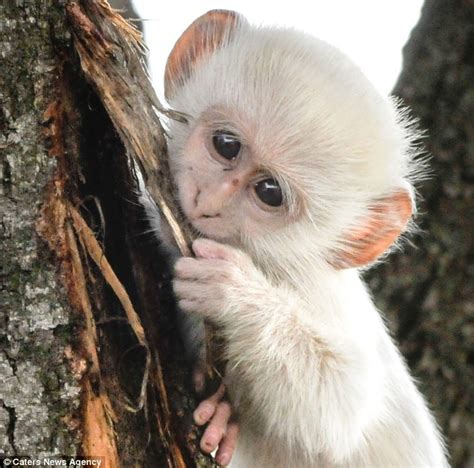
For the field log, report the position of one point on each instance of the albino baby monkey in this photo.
(296, 173)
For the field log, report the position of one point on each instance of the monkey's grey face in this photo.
(224, 191)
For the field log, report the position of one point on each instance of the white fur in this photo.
(316, 379)
(323, 380)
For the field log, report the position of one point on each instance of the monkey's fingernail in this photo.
(208, 445)
(223, 458)
(200, 417)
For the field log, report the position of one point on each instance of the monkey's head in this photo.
(289, 150)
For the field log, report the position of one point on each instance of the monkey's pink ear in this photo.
(201, 39)
(388, 218)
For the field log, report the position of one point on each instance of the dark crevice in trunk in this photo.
(11, 427)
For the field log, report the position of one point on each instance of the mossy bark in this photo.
(38, 394)
(428, 290)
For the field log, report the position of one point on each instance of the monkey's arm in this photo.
(311, 385)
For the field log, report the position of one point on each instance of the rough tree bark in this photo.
(90, 360)
(428, 290)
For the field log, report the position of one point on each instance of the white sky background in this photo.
(371, 32)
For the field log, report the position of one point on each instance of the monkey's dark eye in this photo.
(269, 191)
(226, 144)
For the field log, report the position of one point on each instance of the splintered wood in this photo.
(53, 226)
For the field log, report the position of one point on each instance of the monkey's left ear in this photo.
(387, 219)
(201, 39)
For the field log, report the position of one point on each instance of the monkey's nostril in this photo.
(217, 215)
(196, 197)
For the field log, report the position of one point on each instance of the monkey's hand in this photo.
(211, 284)
(205, 286)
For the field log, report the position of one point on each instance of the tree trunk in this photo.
(428, 290)
(90, 359)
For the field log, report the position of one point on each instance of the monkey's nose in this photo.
(213, 200)
(207, 210)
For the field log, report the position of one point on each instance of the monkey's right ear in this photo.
(200, 39)
(388, 217)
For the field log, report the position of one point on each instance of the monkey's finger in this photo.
(207, 407)
(207, 248)
(202, 269)
(216, 428)
(190, 291)
(200, 298)
(194, 300)
(183, 265)
(227, 445)
(184, 289)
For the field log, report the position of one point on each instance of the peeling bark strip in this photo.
(98, 415)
